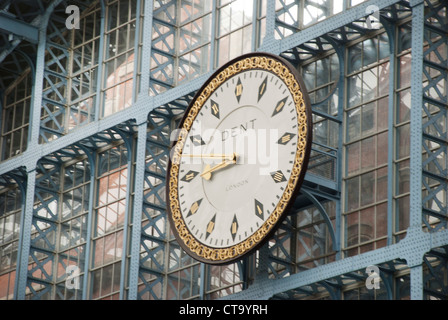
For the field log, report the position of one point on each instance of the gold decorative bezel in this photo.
(281, 68)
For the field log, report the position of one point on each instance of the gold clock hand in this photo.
(207, 173)
(211, 156)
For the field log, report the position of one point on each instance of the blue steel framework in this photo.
(52, 191)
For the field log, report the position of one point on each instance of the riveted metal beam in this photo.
(18, 28)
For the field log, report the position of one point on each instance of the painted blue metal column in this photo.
(23, 187)
(146, 50)
(203, 283)
(33, 147)
(135, 237)
(213, 41)
(90, 221)
(144, 106)
(128, 143)
(416, 279)
(99, 82)
(269, 38)
(137, 53)
(390, 30)
(255, 26)
(36, 98)
(415, 223)
(341, 52)
(25, 237)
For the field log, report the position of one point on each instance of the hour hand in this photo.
(207, 173)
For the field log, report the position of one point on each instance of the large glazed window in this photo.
(366, 145)
(402, 131)
(15, 117)
(83, 72)
(72, 236)
(195, 35)
(119, 55)
(235, 29)
(112, 184)
(10, 213)
(295, 15)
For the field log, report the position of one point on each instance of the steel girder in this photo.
(18, 28)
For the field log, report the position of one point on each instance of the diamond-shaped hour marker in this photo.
(259, 209)
(279, 106)
(215, 109)
(285, 138)
(210, 227)
(278, 176)
(190, 175)
(234, 227)
(197, 140)
(262, 88)
(238, 90)
(194, 208)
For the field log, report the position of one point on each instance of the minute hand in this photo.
(207, 173)
(211, 156)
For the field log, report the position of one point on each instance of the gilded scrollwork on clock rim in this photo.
(262, 62)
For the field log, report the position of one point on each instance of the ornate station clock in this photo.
(239, 159)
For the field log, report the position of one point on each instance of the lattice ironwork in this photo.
(155, 233)
(435, 111)
(435, 274)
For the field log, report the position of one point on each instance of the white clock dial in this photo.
(239, 162)
(253, 116)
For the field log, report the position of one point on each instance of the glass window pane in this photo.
(368, 152)
(112, 18)
(383, 78)
(382, 149)
(403, 141)
(354, 90)
(370, 54)
(224, 20)
(367, 224)
(354, 58)
(352, 191)
(353, 158)
(404, 106)
(367, 188)
(354, 124)
(96, 283)
(352, 226)
(236, 40)
(237, 14)
(247, 39)
(368, 118)
(107, 280)
(403, 177)
(369, 84)
(404, 75)
(382, 113)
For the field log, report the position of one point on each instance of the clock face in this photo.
(240, 158)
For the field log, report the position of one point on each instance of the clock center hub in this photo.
(245, 131)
